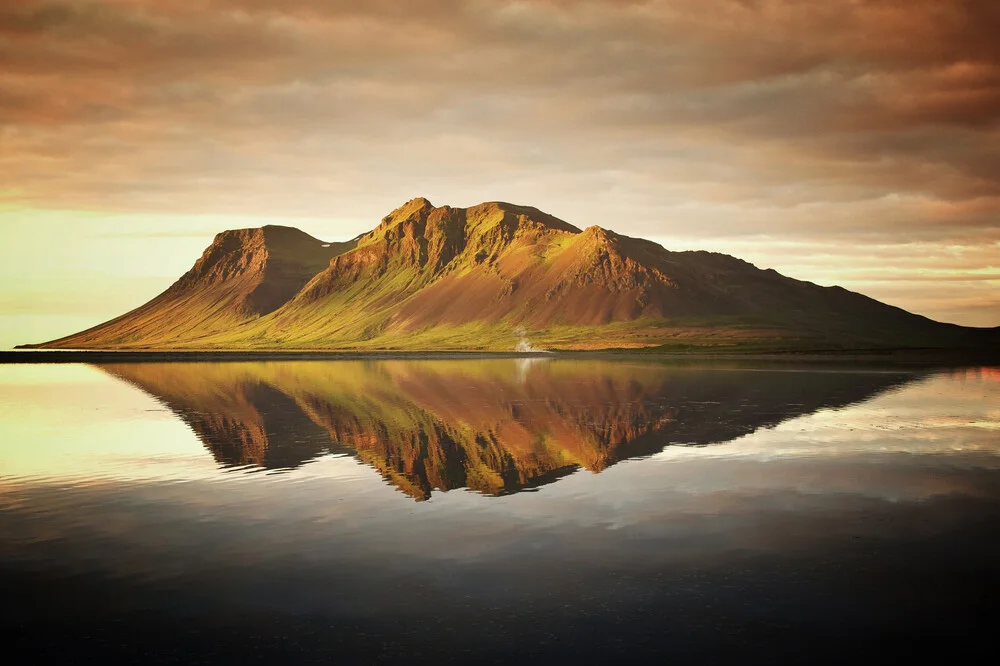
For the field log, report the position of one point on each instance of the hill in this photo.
(494, 276)
(243, 275)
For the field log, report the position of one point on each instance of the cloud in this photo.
(872, 120)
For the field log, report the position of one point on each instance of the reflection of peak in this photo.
(489, 426)
(280, 436)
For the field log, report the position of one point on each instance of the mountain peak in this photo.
(271, 235)
(271, 262)
(524, 215)
(492, 221)
(599, 233)
(419, 208)
(408, 209)
(237, 252)
(235, 236)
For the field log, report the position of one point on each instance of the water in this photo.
(539, 511)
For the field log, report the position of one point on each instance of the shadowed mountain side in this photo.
(475, 278)
(242, 275)
(493, 426)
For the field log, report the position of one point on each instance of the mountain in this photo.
(243, 275)
(493, 276)
(494, 426)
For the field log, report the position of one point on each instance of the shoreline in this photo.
(907, 356)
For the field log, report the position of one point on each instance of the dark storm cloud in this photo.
(839, 117)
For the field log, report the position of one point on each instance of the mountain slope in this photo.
(242, 275)
(484, 277)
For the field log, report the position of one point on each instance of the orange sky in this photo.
(846, 141)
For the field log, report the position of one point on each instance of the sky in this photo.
(852, 142)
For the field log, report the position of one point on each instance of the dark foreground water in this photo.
(497, 512)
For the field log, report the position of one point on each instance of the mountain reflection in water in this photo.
(497, 427)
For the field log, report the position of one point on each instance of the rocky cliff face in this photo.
(272, 263)
(429, 242)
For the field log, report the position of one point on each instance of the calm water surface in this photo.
(541, 511)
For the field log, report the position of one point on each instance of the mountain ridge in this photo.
(484, 277)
